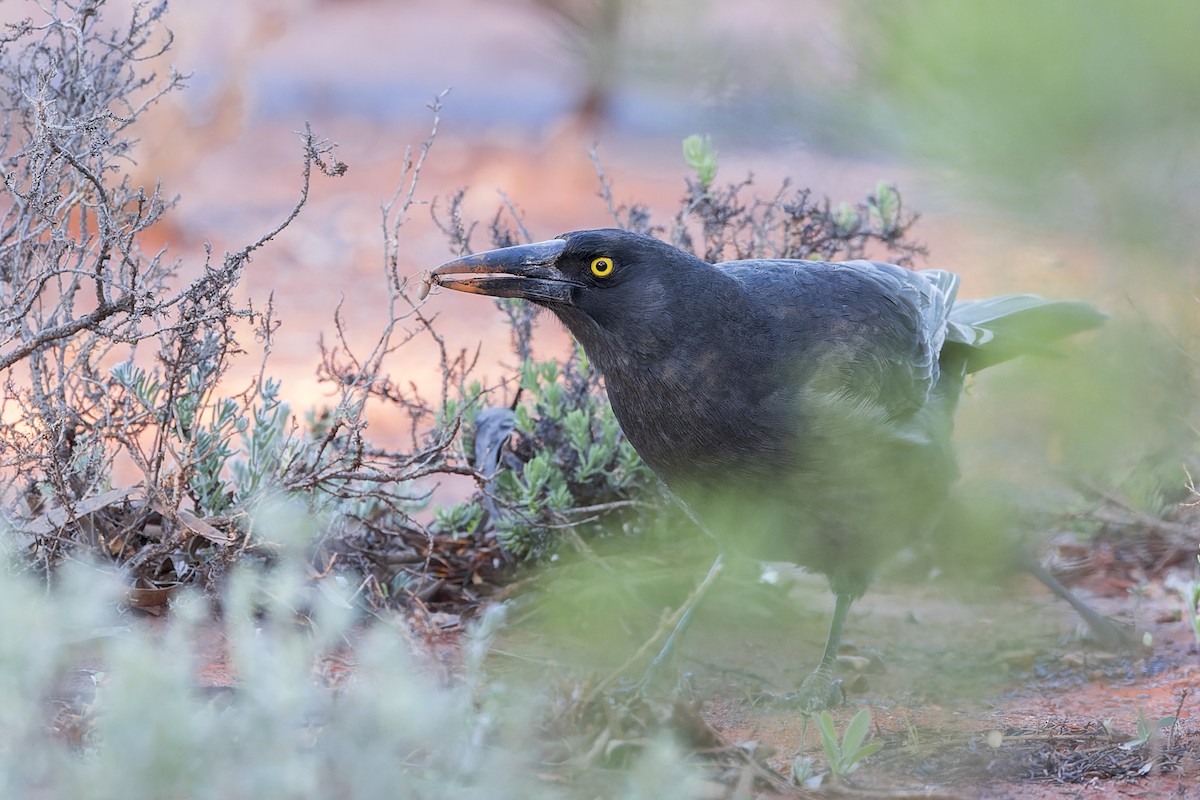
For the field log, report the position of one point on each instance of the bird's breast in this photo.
(701, 420)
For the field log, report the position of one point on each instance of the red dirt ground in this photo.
(987, 694)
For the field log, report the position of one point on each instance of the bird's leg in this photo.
(841, 608)
(820, 689)
(1108, 634)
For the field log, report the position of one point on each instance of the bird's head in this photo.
(604, 284)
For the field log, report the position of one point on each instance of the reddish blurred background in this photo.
(535, 84)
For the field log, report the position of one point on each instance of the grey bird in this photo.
(809, 403)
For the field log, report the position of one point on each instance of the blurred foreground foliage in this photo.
(1078, 115)
(302, 701)
(1079, 120)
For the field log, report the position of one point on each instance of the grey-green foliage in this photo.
(236, 458)
(567, 456)
(94, 704)
(265, 441)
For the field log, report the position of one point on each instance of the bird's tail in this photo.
(986, 332)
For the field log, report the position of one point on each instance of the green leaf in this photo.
(886, 205)
(701, 157)
(578, 427)
(525, 421)
(829, 742)
(853, 761)
(856, 731)
(802, 770)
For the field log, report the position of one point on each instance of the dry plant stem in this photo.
(363, 377)
(315, 152)
(605, 190)
(667, 628)
(70, 223)
(45, 336)
(1110, 508)
(1183, 696)
(516, 217)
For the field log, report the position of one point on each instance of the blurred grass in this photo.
(1082, 113)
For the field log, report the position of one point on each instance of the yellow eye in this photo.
(602, 267)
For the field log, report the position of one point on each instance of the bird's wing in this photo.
(925, 299)
(868, 331)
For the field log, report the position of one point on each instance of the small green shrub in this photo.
(701, 158)
(1148, 730)
(847, 755)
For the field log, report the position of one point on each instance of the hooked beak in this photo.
(526, 271)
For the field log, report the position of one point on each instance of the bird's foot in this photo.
(817, 692)
(1112, 635)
